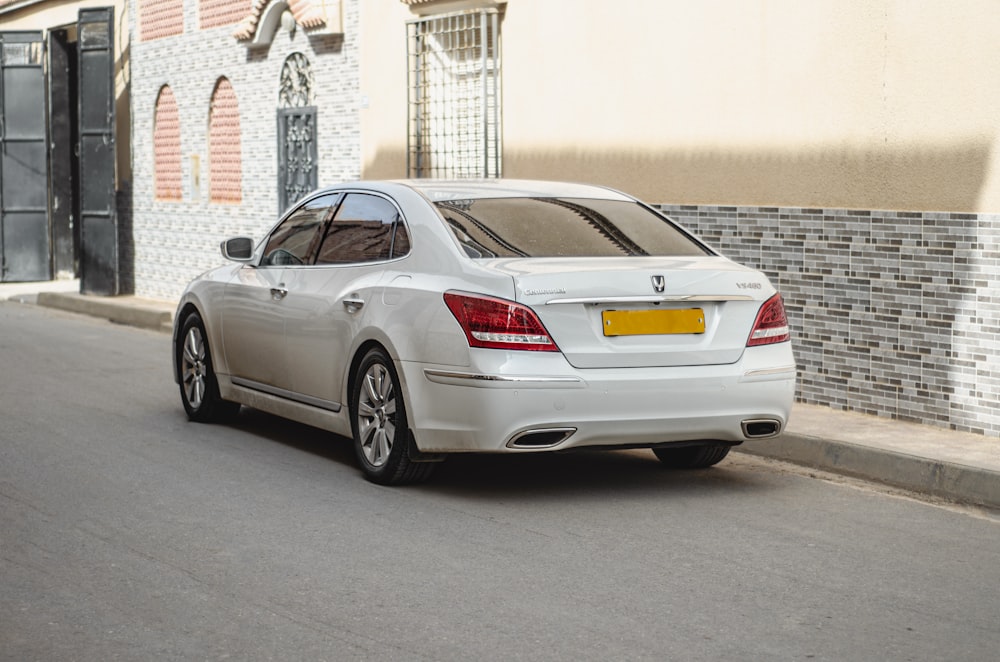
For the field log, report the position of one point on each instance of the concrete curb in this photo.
(145, 314)
(973, 485)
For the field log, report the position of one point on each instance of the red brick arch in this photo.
(166, 146)
(224, 152)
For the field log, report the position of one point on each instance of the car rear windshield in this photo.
(563, 227)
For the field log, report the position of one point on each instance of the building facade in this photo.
(845, 147)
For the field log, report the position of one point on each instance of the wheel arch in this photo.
(352, 371)
(179, 318)
(414, 466)
(185, 310)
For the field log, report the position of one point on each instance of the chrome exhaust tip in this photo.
(543, 438)
(761, 428)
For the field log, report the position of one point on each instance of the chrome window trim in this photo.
(259, 249)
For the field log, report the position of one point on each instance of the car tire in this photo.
(692, 457)
(379, 424)
(198, 384)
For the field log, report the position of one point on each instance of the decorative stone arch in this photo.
(317, 17)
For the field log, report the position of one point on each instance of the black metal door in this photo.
(99, 270)
(64, 205)
(297, 154)
(24, 223)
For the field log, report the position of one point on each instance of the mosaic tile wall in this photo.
(895, 314)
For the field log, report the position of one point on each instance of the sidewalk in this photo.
(957, 466)
(153, 314)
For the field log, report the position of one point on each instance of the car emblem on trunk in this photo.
(659, 283)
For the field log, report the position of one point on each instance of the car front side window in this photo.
(294, 242)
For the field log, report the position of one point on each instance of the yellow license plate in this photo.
(653, 322)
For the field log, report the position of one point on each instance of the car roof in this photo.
(465, 189)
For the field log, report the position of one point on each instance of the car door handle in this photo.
(353, 304)
(278, 293)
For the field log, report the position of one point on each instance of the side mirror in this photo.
(238, 249)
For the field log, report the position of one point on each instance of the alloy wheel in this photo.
(194, 367)
(376, 416)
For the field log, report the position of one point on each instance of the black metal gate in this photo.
(99, 268)
(297, 154)
(24, 228)
(64, 173)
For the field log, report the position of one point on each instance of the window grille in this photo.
(298, 154)
(454, 96)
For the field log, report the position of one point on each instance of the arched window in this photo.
(225, 162)
(160, 18)
(296, 85)
(167, 147)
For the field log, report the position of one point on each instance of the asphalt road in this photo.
(127, 533)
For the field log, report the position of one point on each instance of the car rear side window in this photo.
(366, 228)
(563, 227)
(294, 242)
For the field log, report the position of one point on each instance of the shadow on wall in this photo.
(386, 164)
(945, 177)
(926, 177)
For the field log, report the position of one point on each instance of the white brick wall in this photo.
(175, 241)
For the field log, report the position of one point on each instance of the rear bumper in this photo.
(531, 401)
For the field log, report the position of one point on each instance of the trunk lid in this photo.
(642, 311)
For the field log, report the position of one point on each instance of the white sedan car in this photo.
(424, 318)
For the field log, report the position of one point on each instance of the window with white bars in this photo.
(454, 96)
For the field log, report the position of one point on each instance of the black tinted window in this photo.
(295, 240)
(363, 230)
(562, 227)
(400, 241)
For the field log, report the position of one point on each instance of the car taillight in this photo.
(498, 323)
(771, 325)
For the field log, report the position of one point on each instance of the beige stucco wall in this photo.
(383, 89)
(870, 104)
